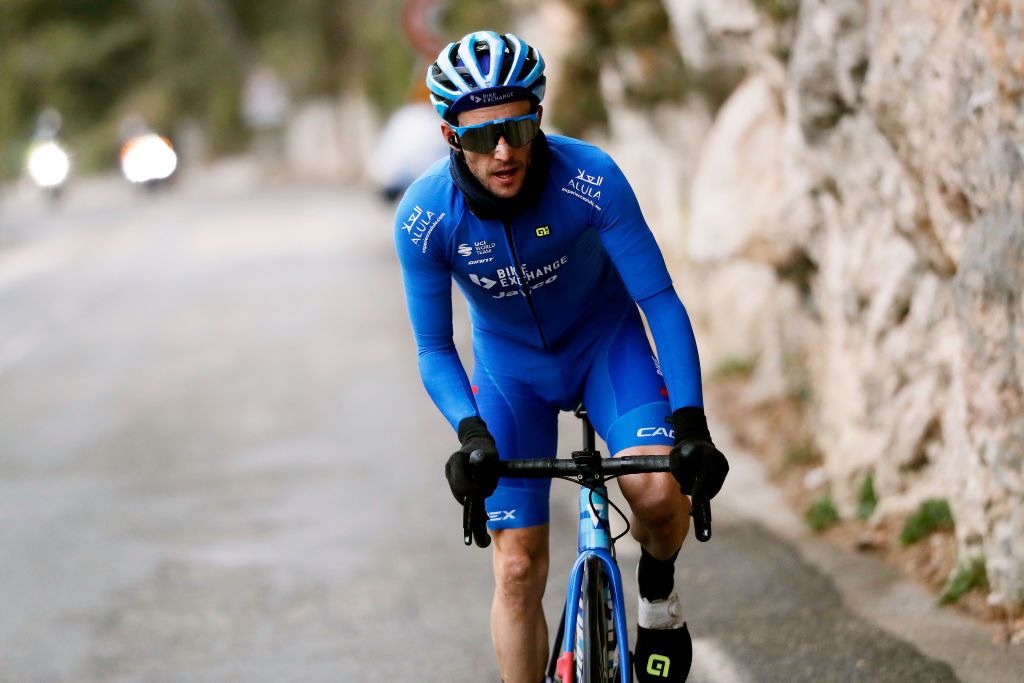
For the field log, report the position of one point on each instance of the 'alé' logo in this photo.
(657, 665)
(542, 230)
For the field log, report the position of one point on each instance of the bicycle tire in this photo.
(596, 658)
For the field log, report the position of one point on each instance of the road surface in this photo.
(217, 463)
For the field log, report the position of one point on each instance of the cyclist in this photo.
(545, 238)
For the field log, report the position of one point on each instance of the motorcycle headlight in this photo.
(148, 157)
(48, 164)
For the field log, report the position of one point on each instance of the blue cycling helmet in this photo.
(483, 69)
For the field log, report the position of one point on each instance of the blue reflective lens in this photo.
(483, 137)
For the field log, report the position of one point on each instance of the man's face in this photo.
(503, 170)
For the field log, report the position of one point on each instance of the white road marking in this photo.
(711, 663)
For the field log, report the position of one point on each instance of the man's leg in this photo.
(518, 629)
(628, 404)
(661, 514)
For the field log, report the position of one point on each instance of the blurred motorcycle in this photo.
(47, 162)
(147, 159)
(410, 142)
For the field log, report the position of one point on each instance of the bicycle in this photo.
(592, 643)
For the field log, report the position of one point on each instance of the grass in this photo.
(867, 499)
(932, 516)
(968, 577)
(801, 455)
(822, 514)
(778, 10)
(735, 366)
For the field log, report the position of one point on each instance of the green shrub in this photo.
(735, 366)
(932, 516)
(867, 499)
(821, 514)
(968, 577)
(801, 455)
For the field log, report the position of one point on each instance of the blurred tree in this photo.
(74, 55)
(635, 38)
(97, 61)
(459, 17)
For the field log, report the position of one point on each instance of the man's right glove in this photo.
(694, 460)
(468, 480)
(472, 473)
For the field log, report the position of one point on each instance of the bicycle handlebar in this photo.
(541, 468)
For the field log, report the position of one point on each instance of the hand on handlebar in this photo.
(700, 469)
(476, 478)
(472, 473)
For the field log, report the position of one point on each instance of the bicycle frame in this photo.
(594, 540)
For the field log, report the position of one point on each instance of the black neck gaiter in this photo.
(488, 206)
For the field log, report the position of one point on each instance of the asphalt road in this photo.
(217, 463)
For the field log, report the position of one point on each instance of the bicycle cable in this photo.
(593, 508)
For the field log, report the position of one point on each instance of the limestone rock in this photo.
(888, 163)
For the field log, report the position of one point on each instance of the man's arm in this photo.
(428, 297)
(638, 259)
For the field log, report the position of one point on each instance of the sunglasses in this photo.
(483, 137)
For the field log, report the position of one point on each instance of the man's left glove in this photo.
(694, 460)
(473, 480)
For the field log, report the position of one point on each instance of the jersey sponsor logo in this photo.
(584, 190)
(657, 365)
(589, 179)
(480, 248)
(542, 230)
(512, 276)
(420, 227)
(585, 186)
(484, 282)
(501, 515)
(649, 432)
(480, 260)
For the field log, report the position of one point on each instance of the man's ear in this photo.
(448, 133)
(540, 113)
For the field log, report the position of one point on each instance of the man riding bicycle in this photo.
(545, 238)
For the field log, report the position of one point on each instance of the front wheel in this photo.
(596, 648)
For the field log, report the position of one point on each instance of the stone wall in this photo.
(856, 226)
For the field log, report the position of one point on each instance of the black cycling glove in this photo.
(694, 460)
(473, 480)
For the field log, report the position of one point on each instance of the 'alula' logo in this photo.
(586, 184)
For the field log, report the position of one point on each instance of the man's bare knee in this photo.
(521, 565)
(660, 503)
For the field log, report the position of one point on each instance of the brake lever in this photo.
(474, 524)
(700, 510)
(467, 522)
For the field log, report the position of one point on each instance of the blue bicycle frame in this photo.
(594, 541)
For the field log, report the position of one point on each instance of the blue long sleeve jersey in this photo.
(581, 254)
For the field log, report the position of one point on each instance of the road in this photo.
(217, 463)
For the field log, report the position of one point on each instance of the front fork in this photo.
(595, 547)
